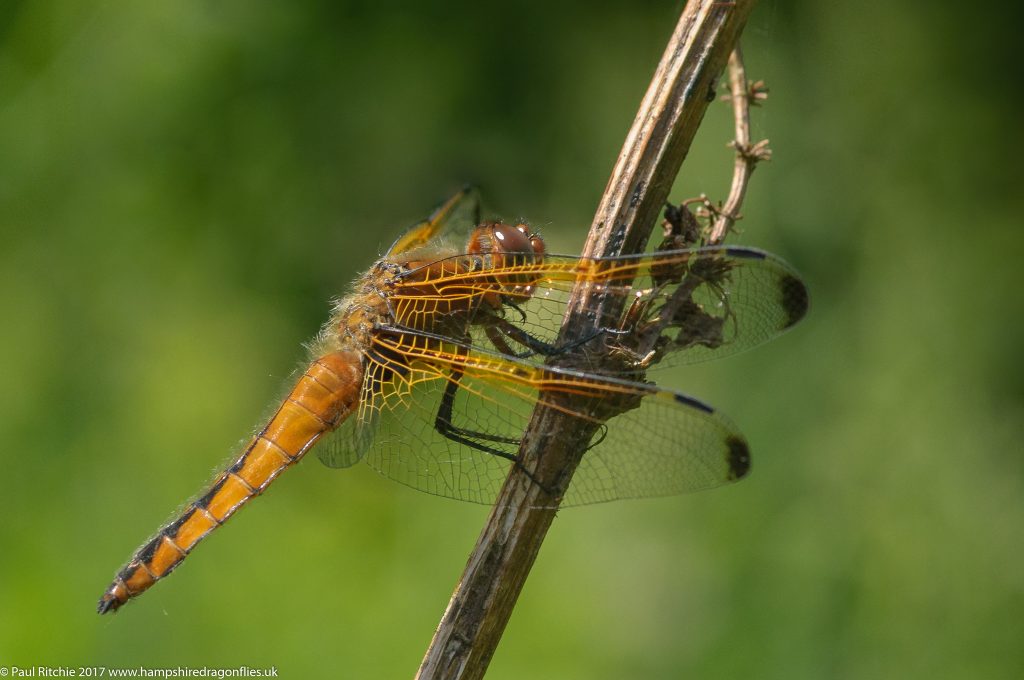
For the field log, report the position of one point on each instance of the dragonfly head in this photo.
(502, 240)
(510, 250)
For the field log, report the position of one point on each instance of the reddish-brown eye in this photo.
(511, 239)
(538, 245)
(536, 242)
(507, 249)
(498, 238)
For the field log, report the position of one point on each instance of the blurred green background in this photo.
(184, 186)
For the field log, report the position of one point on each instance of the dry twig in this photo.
(742, 93)
(683, 229)
(553, 443)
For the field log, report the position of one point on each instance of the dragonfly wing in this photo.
(452, 220)
(677, 307)
(673, 307)
(692, 306)
(349, 442)
(410, 448)
(671, 444)
(667, 444)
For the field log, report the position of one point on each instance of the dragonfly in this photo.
(430, 368)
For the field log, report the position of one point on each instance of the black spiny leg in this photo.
(498, 329)
(444, 426)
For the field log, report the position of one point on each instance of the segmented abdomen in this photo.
(323, 397)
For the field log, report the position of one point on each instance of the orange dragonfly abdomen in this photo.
(321, 399)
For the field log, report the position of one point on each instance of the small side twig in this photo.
(554, 442)
(748, 155)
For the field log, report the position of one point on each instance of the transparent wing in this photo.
(348, 444)
(449, 420)
(672, 444)
(395, 427)
(410, 449)
(682, 306)
(451, 221)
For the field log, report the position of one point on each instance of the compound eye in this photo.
(512, 239)
(536, 242)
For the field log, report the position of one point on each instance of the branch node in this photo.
(752, 153)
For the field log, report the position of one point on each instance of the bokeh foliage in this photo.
(183, 186)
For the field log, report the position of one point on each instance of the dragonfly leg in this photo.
(498, 330)
(511, 303)
(443, 425)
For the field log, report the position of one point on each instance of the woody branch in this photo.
(553, 443)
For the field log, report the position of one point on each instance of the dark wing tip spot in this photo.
(738, 458)
(795, 299)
